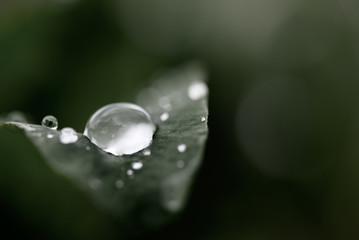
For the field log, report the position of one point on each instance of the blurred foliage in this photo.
(282, 160)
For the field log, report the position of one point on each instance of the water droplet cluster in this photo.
(125, 128)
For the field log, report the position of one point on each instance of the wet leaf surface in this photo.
(148, 188)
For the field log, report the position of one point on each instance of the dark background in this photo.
(282, 156)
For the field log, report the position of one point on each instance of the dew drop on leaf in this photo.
(121, 128)
(164, 116)
(182, 148)
(129, 172)
(147, 152)
(137, 165)
(197, 90)
(68, 135)
(50, 122)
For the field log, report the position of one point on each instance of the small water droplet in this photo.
(164, 116)
(68, 135)
(130, 126)
(180, 164)
(147, 152)
(129, 172)
(120, 184)
(137, 165)
(88, 148)
(95, 183)
(203, 119)
(182, 148)
(50, 135)
(50, 122)
(197, 90)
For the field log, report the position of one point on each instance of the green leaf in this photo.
(158, 191)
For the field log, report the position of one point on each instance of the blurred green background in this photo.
(282, 160)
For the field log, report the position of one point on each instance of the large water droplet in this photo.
(68, 135)
(50, 122)
(121, 128)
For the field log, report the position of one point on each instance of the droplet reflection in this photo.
(50, 122)
(121, 128)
